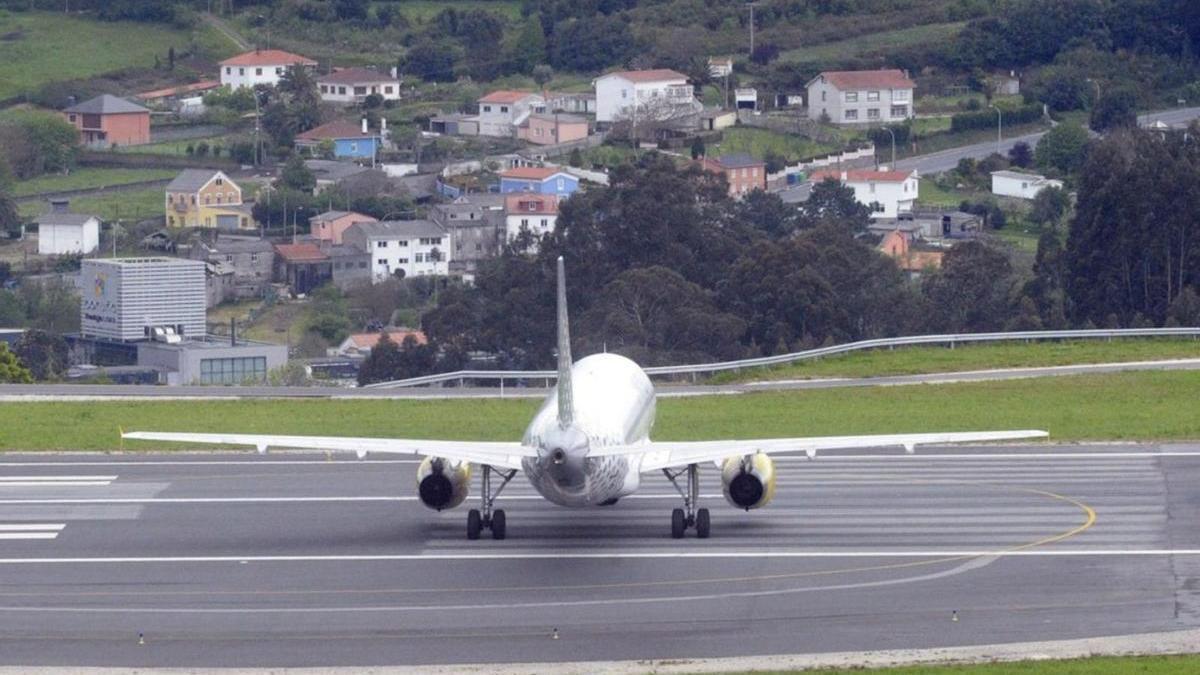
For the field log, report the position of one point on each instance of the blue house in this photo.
(349, 140)
(541, 180)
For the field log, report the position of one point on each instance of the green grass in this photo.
(914, 360)
(923, 126)
(872, 44)
(175, 147)
(946, 141)
(427, 9)
(128, 205)
(1023, 240)
(90, 177)
(1096, 665)
(1124, 406)
(935, 195)
(45, 47)
(757, 142)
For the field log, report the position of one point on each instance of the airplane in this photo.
(589, 445)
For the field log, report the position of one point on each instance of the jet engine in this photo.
(443, 484)
(748, 480)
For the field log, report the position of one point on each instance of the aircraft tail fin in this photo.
(566, 404)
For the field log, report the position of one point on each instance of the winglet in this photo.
(566, 404)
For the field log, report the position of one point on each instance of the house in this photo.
(177, 98)
(330, 172)
(571, 103)
(715, 119)
(206, 198)
(861, 96)
(404, 248)
(659, 93)
(330, 225)
(743, 172)
(303, 267)
(933, 224)
(899, 247)
(540, 179)
(501, 112)
(454, 124)
(1021, 185)
(536, 213)
(349, 265)
(361, 344)
(61, 232)
(745, 99)
(350, 140)
(476, 225)
(720, 66)
(886, 193)
(261, 66)
(548, 129)
(249, 261)
(354, 85)
(107, 121)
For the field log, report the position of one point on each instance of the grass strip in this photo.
(1096, 665)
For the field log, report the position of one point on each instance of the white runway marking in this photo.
(612, 555)
(55, 481)
(30, 530)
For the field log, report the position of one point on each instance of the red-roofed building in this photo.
(303, 267)
(897, 246)
(361, 344)
(886, 193)
(261, 66)
(618, 93)
(351, 139)
(743, 172)
(537, 213)
(861, 96)
(501, 112)
(170, 93)
(354, 85)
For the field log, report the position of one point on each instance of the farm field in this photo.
(758, 142)
(128, 205)
(88, 177)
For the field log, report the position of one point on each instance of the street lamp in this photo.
(893, 134)
(999, 128)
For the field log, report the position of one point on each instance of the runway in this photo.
(298, 560)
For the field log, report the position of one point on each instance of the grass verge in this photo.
(1096, 665)
(933, 359)
(1123, 406)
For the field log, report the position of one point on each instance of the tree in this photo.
(45, 354)
(1116, 108)
(526, 51)
(590, 44)
(764, 53)
(542, 73)
(1063, 148)
(380, 363)
(351, 10)
(832, 202)
(1049, 206)
(480, 32)
(1021, 155)
(970, 293)
(766, 212)
(11, 370)
(296, 176)
(294, 108)
(431, 61)
(698, 149)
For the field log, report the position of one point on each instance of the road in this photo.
(948, 159)
(66, 392)
(293, 560)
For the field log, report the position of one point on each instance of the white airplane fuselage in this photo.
(613, 405)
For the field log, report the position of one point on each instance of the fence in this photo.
(822, 162)
(708, 368)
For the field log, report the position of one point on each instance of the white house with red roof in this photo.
(501, 112)
(861, 96)
(535, 212)
(886, 193)
(661, 90)
(354, 85)
(261, 66)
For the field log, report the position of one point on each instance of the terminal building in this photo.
(151, 312)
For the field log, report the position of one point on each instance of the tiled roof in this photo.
(560, 118)
(355, 76)
(738, 160)
(268, 57)
(401, 228)
(862, 176)
(60, 218)
(106, 104)
(505, 96)
(848, 80)
(335, 130)
(191, 180)
(529, 202)
(530, 172)
(338, 215)
(397, 335)
(658, 75)
(175, 91)
(300, 253)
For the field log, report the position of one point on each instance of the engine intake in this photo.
(442, 484)
(748, 481)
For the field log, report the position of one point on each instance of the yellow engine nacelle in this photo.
(748, 480)
(443, 484)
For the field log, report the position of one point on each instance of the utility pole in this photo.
(752, 28)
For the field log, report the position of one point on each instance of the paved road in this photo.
(18, 392)
(948, 159)
(292, 560)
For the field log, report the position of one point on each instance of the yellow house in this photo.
(205, 198)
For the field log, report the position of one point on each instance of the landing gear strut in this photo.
(493, 520)
(689, 515)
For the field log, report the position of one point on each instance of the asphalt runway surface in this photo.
(301, 560)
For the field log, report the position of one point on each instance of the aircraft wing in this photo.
(662, 455)
(500, 455)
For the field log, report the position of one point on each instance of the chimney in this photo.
(364, 125)
(60, 205)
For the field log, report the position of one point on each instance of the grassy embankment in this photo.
(128, 205)
(936, 359)
(41, 47)
(1125, 406)
(1098, 665)
(89, 177)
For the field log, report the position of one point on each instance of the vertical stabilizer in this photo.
(566, 403)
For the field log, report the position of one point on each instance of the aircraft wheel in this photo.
(678, 524)
(702, 523)
(474, 524)
(498, 524)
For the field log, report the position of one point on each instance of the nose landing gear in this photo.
(689, 516)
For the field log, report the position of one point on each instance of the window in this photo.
(381, 244)
(852, 97)
(872, 113)
(193, 200)
(822, 95)
(241, 71)
(419, 257)
(545, 222)
(524, 222)
(342, 91)
(354, 146)
(387, 89)
(253, 257)
(228, 257)
(258, 71)
(899, 94)
(401, 261)
(360, 91)
(872, 188)
(228, 70)
(402, 242)
(71, 117)
(362, 264)
(430, 241)
(899, 111)
(220, 181)
(503, 108)
(872, 96)
(324, 89)
(851, 114)
(233, 370)
(624, 93)
(279, 71)
(562, 184)
(381, 261)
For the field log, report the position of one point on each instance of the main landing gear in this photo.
(493, 520)
(689, 516)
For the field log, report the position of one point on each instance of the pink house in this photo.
(330, 225)
(548, 129)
